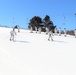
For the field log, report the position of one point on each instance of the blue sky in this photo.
(19, 12)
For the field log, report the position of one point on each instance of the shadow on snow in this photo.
(60, 41)
(22, 41)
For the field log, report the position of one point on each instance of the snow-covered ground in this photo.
(33, 54)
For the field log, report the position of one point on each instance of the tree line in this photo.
(37, 21)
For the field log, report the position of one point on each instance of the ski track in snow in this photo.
(33, 54)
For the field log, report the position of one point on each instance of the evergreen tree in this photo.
(35, 21)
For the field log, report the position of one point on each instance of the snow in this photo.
(33, 54)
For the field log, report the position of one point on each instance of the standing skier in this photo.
(36, 29)
(39, 29)
(50, 35)
(60, 31)
(65, 32)
(31, 28)
(12, 33)
(55, 30)
(18, 28)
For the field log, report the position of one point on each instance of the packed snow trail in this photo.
(33, 54)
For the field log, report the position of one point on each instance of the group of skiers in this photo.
(56, 32)
(48, 31)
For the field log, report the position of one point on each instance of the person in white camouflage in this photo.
(36, 29)
(55, 30)
(65, 32)
(12, 33)
(18, 28)
(50, 35)
(39, 30)
(60, 31)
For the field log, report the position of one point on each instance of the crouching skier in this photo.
(50, 35)
(12, 33)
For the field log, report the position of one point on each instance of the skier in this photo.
(65, 32)
(75, 33)
(60, 31)
(12, 33)
(39, 29)
(36, 29)
(31, 29)
(50, 35)
(18, 28)
(55, 30)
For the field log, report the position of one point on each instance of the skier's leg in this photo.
(65, 34)
(51, 38)
(14, 39)
(36, 29)
(11, 37)
(46, 30)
